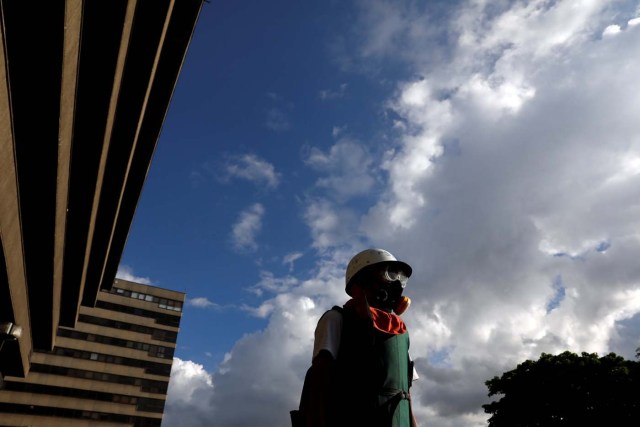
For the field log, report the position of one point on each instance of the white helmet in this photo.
(369, 257)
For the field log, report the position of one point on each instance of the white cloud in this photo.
(245, 230)
(126, 273)
(252, 168)
(326, 94)
(291, 258)
(201, 302)
(270, 283)
(190, 390)
(348, 169)
(611, 30)
(336, 131)
(329, 225)
(264, 376)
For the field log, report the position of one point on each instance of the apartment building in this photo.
(111, 369)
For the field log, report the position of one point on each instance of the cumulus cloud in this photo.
(190, 388)
(347, 168)
(252, 168)
(330, 225)
(246, 228)
(513, 189)
(269, 282)
(611, 29)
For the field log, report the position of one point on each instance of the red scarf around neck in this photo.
(389, 323)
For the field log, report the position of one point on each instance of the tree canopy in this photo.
(567, 390)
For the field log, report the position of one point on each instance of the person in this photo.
(361, 370)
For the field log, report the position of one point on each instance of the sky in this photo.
(493, 145)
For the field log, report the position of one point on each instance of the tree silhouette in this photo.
(567, 390)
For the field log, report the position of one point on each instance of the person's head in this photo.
(378, 276)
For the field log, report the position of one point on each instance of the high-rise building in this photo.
(85, 87)
(111, 369)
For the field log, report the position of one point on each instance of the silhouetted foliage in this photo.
(567, 390)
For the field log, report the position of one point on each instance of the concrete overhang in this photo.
(84, 90)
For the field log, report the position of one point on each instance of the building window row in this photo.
(160, 318)
(166, 303)
(156, 334)
(16, 408)
(142, 403)
(151, 349)
(147, 386)
(152, 368)
(150, 405)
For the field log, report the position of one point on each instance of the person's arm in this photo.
(414, 423)
(325, 347)
(320, 389)
(413, 375)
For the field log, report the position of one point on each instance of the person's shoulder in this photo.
(336, 308)
(334, 314)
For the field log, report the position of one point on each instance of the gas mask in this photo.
(391, 284)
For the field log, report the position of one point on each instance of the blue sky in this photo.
(494, 146)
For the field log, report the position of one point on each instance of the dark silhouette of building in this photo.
(84, 90)
(112, 367)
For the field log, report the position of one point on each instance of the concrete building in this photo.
(112, 369)
(84, 90)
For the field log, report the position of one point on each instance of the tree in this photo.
(567, 390)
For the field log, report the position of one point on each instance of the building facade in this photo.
(111, 369)
(85, 87)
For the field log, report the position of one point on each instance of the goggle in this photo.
(392, 273)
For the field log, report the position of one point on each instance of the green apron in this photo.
(371, 387)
